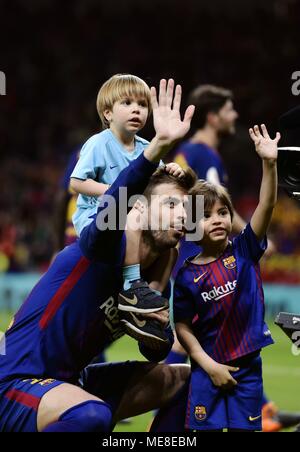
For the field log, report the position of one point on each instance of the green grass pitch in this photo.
(281, 372)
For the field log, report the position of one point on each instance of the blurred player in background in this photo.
(214, 119)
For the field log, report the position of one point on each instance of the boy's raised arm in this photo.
(267, 149)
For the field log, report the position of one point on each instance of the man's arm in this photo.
(268, 152)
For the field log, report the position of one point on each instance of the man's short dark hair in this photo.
(185, 183)
(207, 99)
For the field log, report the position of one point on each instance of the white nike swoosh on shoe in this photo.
(140, 323)
(133, 301)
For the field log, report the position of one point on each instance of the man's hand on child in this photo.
(175, 170)
(264, 145)
(162, 316)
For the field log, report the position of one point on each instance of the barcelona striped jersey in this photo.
(224, 300)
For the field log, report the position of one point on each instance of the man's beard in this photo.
(159, 240)
(229, 131)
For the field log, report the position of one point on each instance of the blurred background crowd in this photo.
(57, 54)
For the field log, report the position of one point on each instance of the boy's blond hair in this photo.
(118, 87)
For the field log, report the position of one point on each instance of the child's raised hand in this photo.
(169, 126)
(175, 170)
(264, 145)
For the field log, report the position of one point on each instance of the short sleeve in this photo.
(183, 305)
(91, 163)
(248, 245)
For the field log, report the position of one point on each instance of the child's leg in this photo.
(131, 266)
(207, 407)
(137, 296)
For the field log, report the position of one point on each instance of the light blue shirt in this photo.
(102, 158)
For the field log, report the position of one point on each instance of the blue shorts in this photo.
(20, 398)
(210, 408)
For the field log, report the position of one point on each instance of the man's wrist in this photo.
(158, 148)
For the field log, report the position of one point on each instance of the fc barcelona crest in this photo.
(230, 262)
(200, 413)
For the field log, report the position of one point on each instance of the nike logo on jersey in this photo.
(217, 293)
(199, 277)
(113, 166)
(133, 301)
(140, 323)
(252, 419)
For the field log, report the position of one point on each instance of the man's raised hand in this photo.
(169, 126)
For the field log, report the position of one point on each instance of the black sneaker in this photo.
(150, 331)
(141, 299)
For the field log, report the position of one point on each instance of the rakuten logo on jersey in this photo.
(217, 293)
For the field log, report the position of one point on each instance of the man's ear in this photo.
(212, 118)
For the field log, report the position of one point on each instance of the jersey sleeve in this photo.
(100, 239)
(248, 245)
(183, 305)
(209, 167)
(91, 163)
